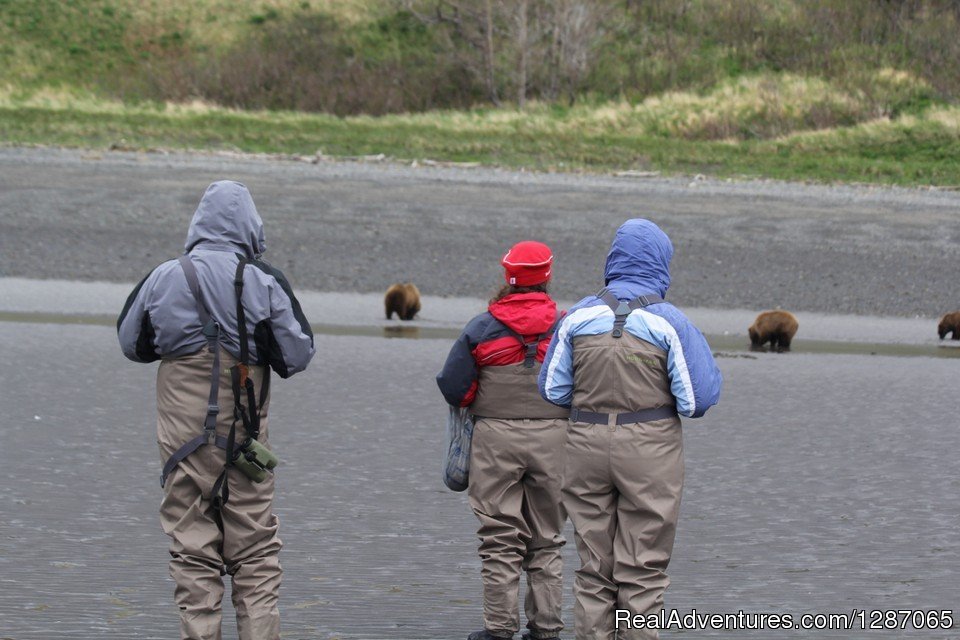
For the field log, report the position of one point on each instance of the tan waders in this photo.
(515, 483)
(623, 478)
(622, 492)
(249, 540)
(517, 448)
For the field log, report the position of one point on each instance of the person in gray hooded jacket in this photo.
(212, 397)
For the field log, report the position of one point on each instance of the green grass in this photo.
(107, 44)
(825, 90)
(910, 150)
(49, 41)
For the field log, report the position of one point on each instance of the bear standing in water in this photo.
(402, 299)
(949, 323)
(776, 327)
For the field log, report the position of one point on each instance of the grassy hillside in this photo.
(286, 52)
(86, 43)
(852, 90)
(906, 150)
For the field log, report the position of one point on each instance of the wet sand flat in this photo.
(821, 483)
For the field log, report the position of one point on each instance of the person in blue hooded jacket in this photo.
(627, 364)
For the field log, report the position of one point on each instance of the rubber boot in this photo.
(483, 634)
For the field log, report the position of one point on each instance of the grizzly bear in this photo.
(776, 327)
(402, 299)
(950, 323)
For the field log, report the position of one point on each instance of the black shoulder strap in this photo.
(241, 316)
(532, 349)
(190, 272)
(622, 309)
(220, 494)
(530, 355)
(211, 329)
(242, 384)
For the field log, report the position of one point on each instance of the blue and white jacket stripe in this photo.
(694, 377)
(638, 264)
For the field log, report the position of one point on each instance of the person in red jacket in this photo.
(517, 456)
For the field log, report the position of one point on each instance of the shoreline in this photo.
(361, 314)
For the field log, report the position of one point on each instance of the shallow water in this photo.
(723, 345)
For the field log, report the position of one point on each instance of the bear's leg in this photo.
(956, 333)
(764, 339)
(784, 343)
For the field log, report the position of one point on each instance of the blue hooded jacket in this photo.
(638, 264)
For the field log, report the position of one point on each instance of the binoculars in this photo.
(254, 460)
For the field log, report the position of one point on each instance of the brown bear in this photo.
(949, 323)
(402, 299)
(776, 327)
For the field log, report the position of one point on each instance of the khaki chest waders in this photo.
(510, 391)
(250, 457)
(516, 465)
(621, 310)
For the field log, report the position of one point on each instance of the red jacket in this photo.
(490, 340)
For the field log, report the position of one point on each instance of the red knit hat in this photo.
(527, 263)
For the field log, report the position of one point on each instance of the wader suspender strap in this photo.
(238, 378)
(530, 357)
(621, 310)
(241, 383)
(211, 330)
(256, 406)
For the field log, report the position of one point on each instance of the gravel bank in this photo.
(358, 227)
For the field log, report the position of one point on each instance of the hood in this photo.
(526, 313)
(227, 218)
(639, 260)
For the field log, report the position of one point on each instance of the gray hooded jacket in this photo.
(160, 318)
